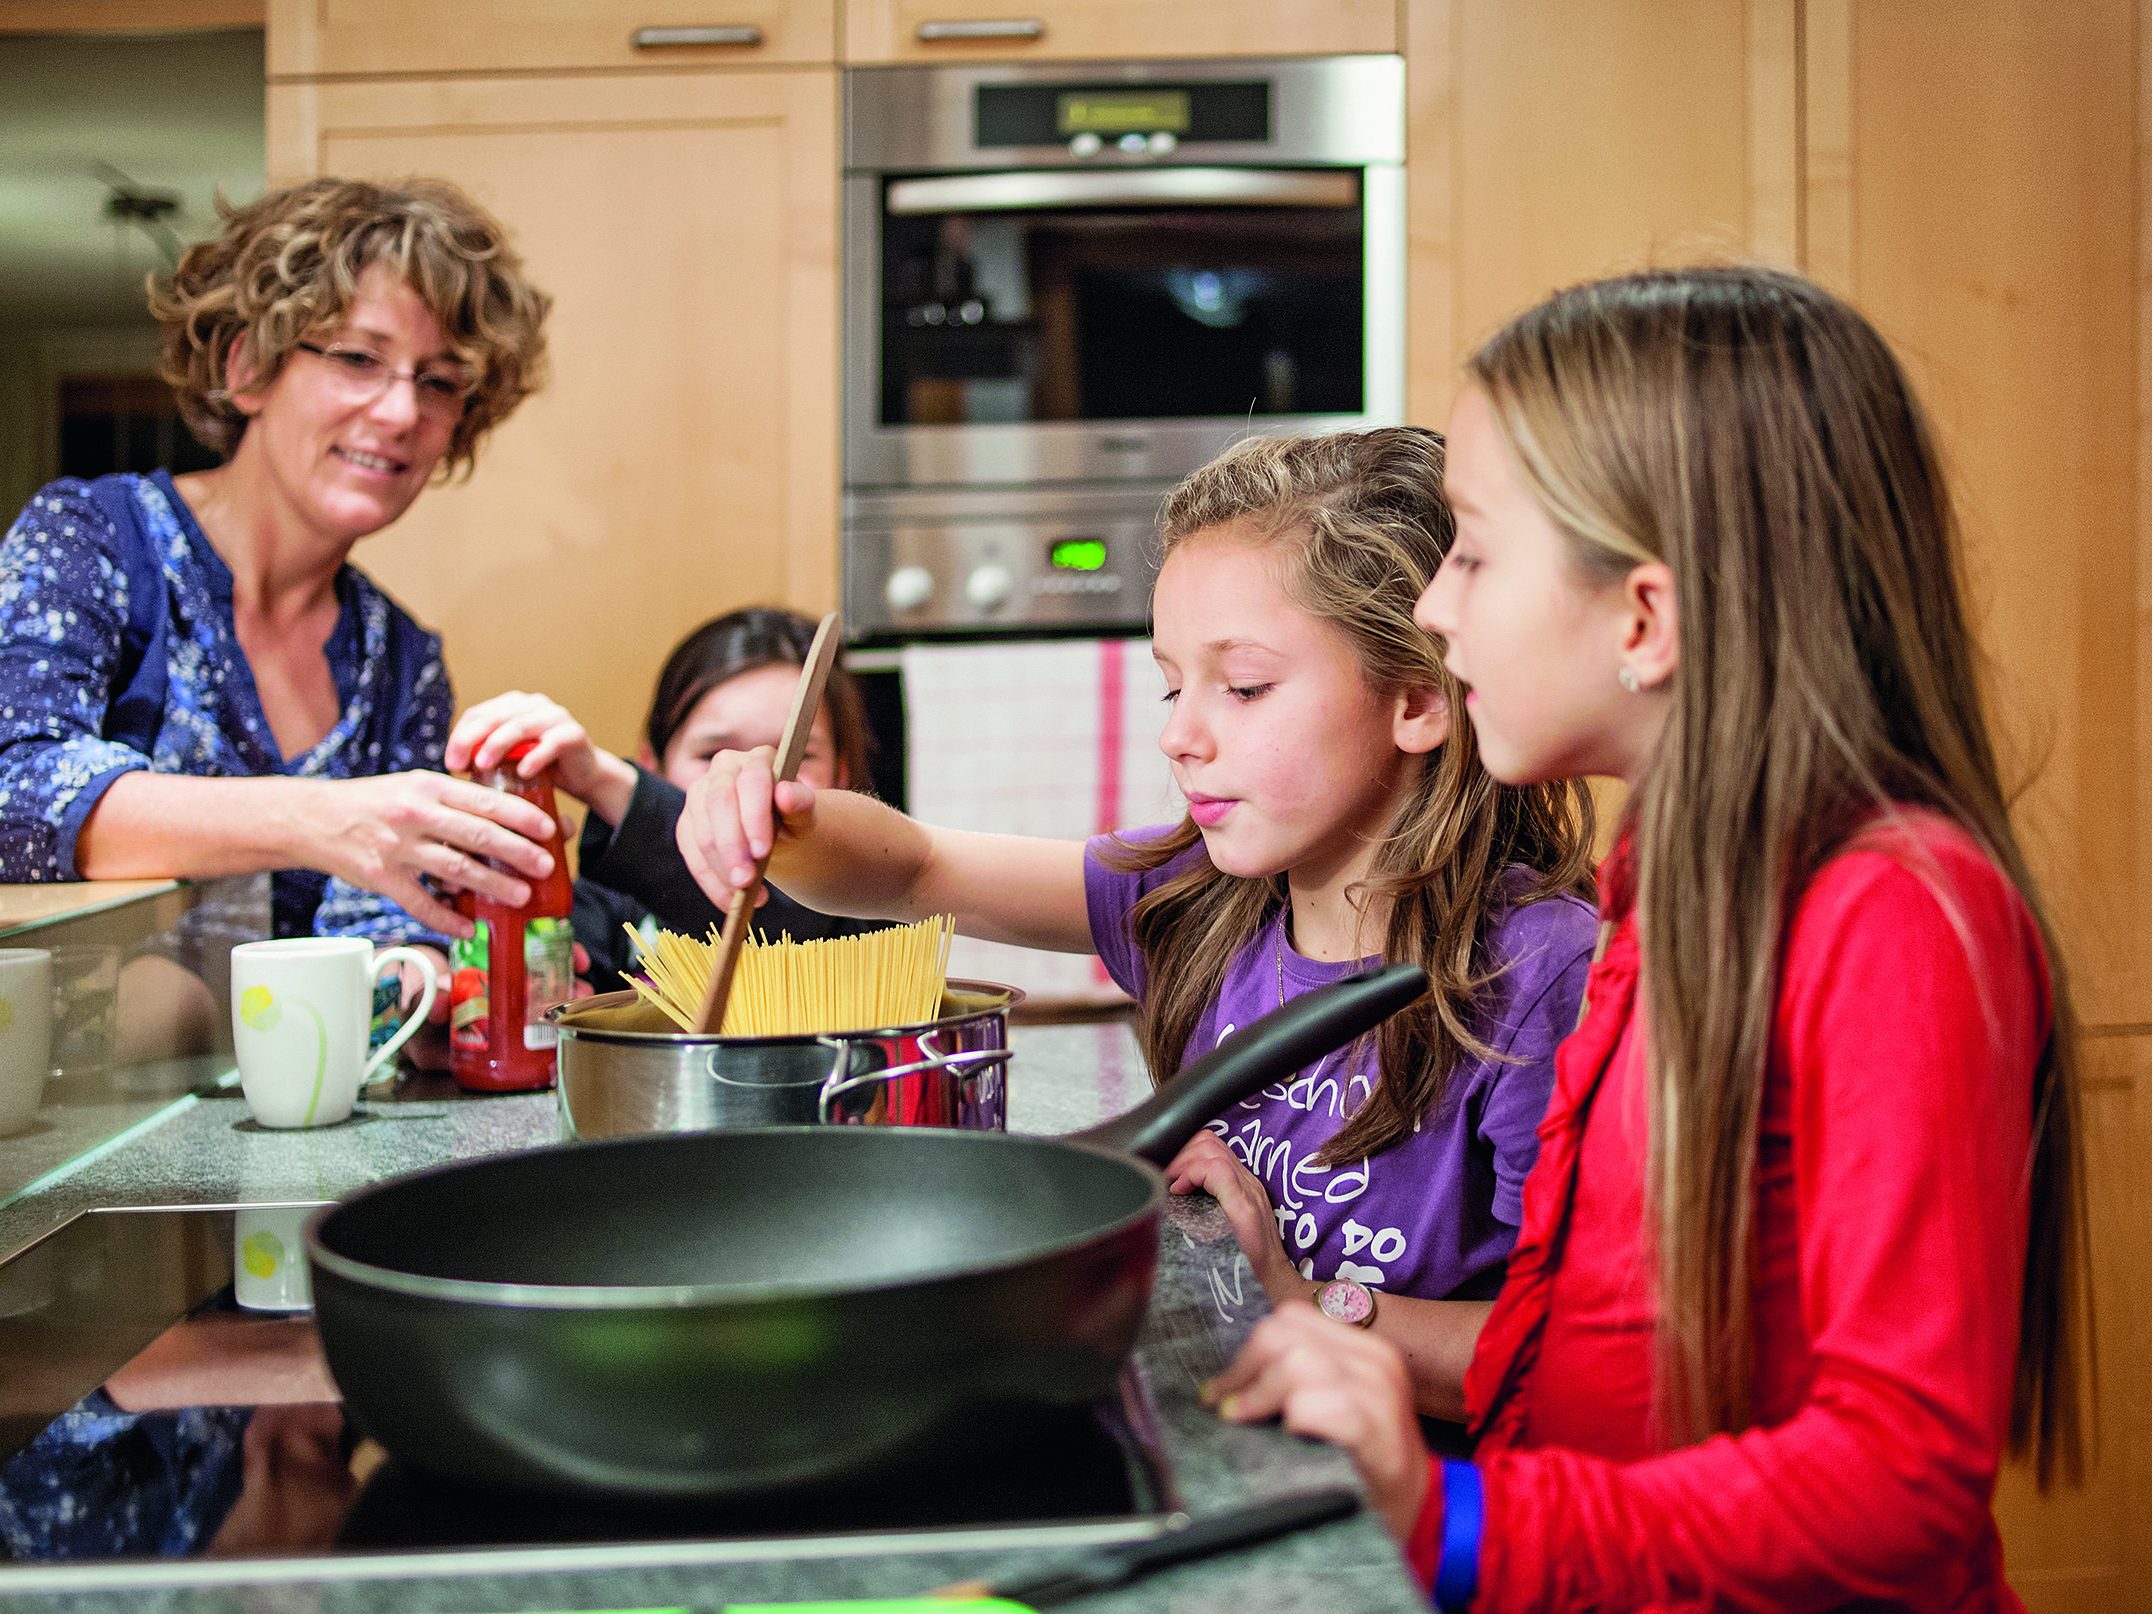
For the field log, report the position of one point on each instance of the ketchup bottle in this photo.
(517, 964)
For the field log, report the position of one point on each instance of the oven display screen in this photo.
(1077, 554)
(1117, 112)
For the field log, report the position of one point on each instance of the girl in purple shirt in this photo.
(1337, 815)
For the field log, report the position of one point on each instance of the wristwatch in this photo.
(1348, 1300)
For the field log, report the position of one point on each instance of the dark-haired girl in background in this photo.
(726, 687)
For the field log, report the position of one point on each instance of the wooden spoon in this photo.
(814, 674)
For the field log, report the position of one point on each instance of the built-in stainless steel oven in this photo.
(1068, 286)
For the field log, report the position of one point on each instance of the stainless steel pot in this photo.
(625, 1070)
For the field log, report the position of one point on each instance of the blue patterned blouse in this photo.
(101, 1483)
(118, 651)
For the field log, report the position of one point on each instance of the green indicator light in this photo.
(1077, 555)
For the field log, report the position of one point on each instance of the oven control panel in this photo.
(976, 561)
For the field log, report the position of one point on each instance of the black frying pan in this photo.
(718, 1313)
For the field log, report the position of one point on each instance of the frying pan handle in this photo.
(1264, 1051)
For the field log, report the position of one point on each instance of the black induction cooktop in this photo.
(261, 1466)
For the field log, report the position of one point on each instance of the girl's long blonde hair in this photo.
(1756, 435)
(1360, 522)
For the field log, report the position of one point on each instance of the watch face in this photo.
(1347, 1301)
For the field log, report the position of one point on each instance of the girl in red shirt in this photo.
(1801, 1263)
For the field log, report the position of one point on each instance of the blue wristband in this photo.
(1457, 1572)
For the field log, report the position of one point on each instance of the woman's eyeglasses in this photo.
(366, 376)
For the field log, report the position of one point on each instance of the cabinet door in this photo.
(1101, 30)
(1969, 186)
(682, 460)
(309, 38)
(1551, 141)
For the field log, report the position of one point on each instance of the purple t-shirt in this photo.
(1435, 1215)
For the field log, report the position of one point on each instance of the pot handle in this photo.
(1263, 1051)
(839, 1084)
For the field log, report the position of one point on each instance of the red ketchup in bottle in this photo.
(519, 963)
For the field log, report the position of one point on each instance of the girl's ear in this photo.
(1651, 635)
(1422, 720)
(241, 378)
(645, 758)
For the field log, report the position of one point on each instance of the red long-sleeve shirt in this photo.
(1891, 1213)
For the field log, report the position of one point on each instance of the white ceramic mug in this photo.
(25, 1034)
(300, 1010)
(269, 1258)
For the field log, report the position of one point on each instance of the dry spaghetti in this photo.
(786, 988)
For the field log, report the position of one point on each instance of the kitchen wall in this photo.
(82, 115)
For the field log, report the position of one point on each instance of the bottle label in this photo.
(549, 977)
(469, 1010)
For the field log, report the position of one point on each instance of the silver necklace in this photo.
(1315, 1075)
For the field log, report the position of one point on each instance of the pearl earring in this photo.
(1626, 676)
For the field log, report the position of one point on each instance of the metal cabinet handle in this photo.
(982, 28)
(1032, 189)
(741, 33)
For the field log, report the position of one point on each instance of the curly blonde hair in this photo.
(288, 264)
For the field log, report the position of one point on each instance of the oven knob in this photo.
(1134, 144)
(1162, 144)
(909, 588)
(990, 585)
(1085, 144)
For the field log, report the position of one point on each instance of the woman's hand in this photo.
(487, 732)
(295, 1486)
(382, 833)
(1338, 1383)
(733, 816)
(1206, 1163)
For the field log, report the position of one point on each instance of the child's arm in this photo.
(587, 771)
(1910, 1034)
(850, 854)
(1435, 1337)
(1910, 1138)
(1331, 1381)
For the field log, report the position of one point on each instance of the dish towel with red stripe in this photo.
(1054, 738)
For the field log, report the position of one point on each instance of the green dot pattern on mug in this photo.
(262, 1253)
(258, 1008)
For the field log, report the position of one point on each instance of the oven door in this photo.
(1055, 324)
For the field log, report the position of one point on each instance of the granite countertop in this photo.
(205, 1151)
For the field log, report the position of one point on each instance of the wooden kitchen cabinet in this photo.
(682, 460)
(317, 38)
(1112, 30)
(1551, 141)
(1972, 180)
(1970, 187)
(1969, 173)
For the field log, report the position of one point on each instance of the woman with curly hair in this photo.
(197, 682)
